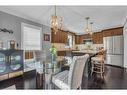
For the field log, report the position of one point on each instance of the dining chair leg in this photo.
(92, 68)
(103, 67)
(101, 72)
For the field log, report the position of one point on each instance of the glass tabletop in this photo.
(49, 68)
(52, 68)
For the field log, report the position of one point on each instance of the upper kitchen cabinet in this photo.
(64, 37)
(118, 31)
(59, 37)
(86, 36)
(78, 39)
(97, 38)
(113, 32)
(107, 33)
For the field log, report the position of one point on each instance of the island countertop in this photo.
(86, 51)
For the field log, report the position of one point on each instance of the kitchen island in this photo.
(82, 52)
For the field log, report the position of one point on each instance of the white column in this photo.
(125, 46)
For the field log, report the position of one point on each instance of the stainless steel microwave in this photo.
(87, 41)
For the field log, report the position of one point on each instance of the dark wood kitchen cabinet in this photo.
(113, 32)
(107, 33)
(86, 36)
(59, 37)
(55, 37)
(78, 39)
(64, 37)
(97, 38)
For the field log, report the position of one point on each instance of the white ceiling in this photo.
(73, 17)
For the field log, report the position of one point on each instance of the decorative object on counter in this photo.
(6, 30)
(77, 48)
(46, 37)
(56, 22)
(12, 44)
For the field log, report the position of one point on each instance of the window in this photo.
(70, 40)
(69, 43)
(31, 37)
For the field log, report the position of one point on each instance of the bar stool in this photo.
(98, 64)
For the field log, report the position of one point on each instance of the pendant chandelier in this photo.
(88, 30)
(87, 27)
(56, 22)
(91, 32)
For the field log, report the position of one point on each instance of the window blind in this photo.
(31, 38)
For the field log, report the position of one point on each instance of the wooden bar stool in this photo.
(98, 64)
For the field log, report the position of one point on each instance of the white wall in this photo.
(12, 22)
(46, 44)
(125, 45)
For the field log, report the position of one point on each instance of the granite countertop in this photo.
(67, 50)
(86, 51)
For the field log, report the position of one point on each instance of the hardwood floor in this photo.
(115, 78)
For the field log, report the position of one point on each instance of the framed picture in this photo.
(46, 37)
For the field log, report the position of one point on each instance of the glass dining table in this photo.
(45, 70)
(50, 69)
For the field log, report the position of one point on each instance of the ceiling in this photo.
(73, 17)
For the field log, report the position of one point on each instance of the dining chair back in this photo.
(76, 71)
(71, 79)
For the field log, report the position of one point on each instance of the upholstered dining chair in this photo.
(71, 79)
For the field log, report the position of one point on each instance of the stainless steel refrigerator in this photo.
(115, 50)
